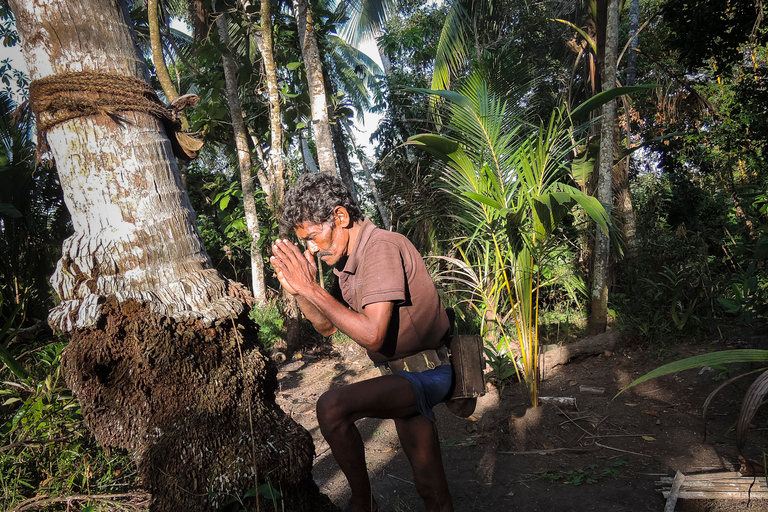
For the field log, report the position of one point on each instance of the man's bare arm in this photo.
(297, 274)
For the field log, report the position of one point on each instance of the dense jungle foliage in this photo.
(475, 98)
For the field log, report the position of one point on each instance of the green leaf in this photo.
(583, 165)
(486, 200)
(714, 358)
(8, 210)
(730, 305)
(437, 145)
(514, 225)
(599, 99)
(451, 96)
(753, 399)
(269, 492)
(293, 65)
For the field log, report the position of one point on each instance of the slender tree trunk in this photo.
(599, 314)
(369, 177)
(244, 160)
(153, 13)
(161, 70)
(158, 356)
(306, 154)
(340, 146)
(634, 23)
(624, 198)
(273, 183)
(624, 210)
(386, 63)
(313, 63)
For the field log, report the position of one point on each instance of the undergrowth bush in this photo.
(46, 450)
(695, 269)
(270, 320)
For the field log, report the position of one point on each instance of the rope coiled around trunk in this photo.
(59, 98)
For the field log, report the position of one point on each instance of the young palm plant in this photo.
(514, 187)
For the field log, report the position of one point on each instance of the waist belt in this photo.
(419, 362)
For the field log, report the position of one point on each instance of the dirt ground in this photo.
(603, 455)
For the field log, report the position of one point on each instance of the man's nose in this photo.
(312, 246)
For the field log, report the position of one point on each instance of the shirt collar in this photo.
(353, 260)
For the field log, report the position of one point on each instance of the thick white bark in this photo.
(135, 235)
(313, 64)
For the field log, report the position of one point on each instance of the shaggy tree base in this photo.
(195, 405)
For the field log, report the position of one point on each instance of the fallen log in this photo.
(590, 346)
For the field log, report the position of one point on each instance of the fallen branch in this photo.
(32, 443)
(620, 450)
(141, 499)
(674, 492)
(550, 451)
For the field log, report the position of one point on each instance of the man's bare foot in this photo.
(352, 507)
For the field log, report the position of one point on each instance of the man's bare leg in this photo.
(418, 437)
(338, 409)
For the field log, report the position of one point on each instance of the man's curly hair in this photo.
(312, 199)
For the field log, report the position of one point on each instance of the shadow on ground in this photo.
(603, 455)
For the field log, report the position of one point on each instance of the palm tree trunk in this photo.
(314, 67)
(624, 198)
(306, 154)
(340, 146)
(369, 177)
(244, 160)
(161, 70)
(153, 12)
(386, 63)
(634, 22)
(274, 182)
(599, 314)
(158, 356)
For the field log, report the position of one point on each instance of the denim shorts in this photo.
(430, 387)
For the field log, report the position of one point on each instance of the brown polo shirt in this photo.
(385, 266)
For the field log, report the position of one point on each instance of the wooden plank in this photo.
(720, 495)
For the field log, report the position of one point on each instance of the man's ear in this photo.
(341, 216)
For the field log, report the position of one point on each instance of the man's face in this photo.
(328, 241)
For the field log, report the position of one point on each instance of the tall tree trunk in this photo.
(339, 145)
(634, 23)
(244, 160)
(386, 63)
(313, 64)
(158, 59)
(158, 357)
(599, 314)
(623, 197)
(274, 182)
(161, 70)
(369, 177)
(306, 154)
